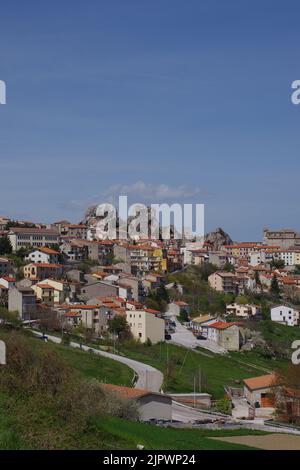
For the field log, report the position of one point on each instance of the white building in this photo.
(144, 325)
(285, 315)
(241, 310)
(43, 255)
(8, 282)
(25, 237)
(257, 257)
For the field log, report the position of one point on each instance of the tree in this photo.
(274, 289)
(158, 299)
(241, 299)
(228, 267)
(257, 278)
(11, 318)
(224, 406)
(277, 263)
(118, 325)
(5, 246)
(205, 270)
(288, 394)
(183, 316)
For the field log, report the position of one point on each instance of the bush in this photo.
(224, 406)
(120, 407)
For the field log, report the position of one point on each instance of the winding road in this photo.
(149, 378)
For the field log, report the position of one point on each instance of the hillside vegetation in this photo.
(48, 403)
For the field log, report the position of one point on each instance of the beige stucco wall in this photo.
(230, 338)
(144, 325)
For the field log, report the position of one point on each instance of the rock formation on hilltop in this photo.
(218, 238)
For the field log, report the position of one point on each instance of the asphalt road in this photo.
(185, 414)
(184, 337)
(149, 378)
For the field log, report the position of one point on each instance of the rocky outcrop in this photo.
(218, 238)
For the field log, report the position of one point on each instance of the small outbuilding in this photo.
(260, 391)
(151, 405)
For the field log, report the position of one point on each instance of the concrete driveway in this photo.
(184, 337)
(187, 414)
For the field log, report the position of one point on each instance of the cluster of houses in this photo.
(255, 263)
(121, 275)
(264, 397)
(230, 335)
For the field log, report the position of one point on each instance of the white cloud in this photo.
(152, 192)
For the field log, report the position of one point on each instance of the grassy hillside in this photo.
(153, 437)
(47, 397)
(278, 337)
(97, 367)
(111, 433)
(46, 402)
(180, 365)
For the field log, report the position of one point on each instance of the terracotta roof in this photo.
(45, 286)
(99, 274)
(263, 381)
(151, 310)
(292, 393)
(48, 251)
(224, 274)
(72, 314)
(288, 280)
(126, 392)
(134, 303)
(74, 226)
(80, 307)
(44, 265)
(220, 325)
(33, 230)
(242, 245)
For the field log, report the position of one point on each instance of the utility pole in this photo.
(200, 380)
(167, 359)
(194, 391)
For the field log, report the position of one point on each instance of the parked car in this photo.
(200, 337)
(168, 336)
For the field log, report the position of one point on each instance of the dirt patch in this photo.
(268, 442)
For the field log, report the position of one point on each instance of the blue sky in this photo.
(182, 101)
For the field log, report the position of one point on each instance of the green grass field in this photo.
(111, 433)
(281, 336)
(26, 423)
(153, 437)
(179, 366)
(97, 367)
